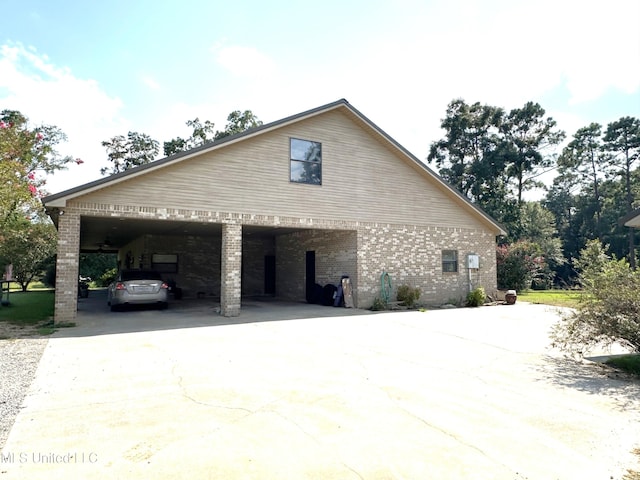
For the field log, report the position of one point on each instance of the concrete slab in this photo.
(467, 393)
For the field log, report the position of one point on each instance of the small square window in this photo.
(306, 161)
(449, 261)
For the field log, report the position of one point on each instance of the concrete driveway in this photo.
(451, 394)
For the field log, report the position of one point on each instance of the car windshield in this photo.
(139, 275)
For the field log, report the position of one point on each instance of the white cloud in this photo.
(45, 93)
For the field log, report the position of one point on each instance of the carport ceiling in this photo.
(110, 234)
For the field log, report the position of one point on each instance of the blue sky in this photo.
(99, 69)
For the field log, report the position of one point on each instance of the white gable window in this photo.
(306, 161)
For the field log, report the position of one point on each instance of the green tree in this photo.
(27, 155)
(174, 146)
(471, 157)
(493, 157)
(29, 247)
(538, 227)
(131, 151)
(561, 200)
(622, 140)
(609, 308)
(94, 265)
(592, 163)
(471, 135)
(584, 156)
(614, 234)
(201, 134)
(531, 140)
(238, 122)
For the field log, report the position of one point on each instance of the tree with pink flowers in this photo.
(27, 154)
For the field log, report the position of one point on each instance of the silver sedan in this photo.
(138, 287)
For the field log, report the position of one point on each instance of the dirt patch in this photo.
(9, 330)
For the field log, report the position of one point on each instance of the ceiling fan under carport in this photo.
(105, 245)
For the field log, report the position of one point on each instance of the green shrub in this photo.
(521, 265)
(608, 311)
(378, 305)
(107, 277)
(408, 295)
(476, 297)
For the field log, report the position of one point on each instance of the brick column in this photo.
(230, 283)
(66, 296)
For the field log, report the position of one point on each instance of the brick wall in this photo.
(230, 288)
(335, 257)
(413, 255)
(198, 260)
(410, 254)
(66, 294)
(254, 250)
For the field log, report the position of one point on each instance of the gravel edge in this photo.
(19, 359)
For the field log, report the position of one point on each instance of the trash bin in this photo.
(83, 287)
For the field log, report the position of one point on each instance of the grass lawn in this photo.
(34, 285)
(28, 308)
(558, 298)
(28, 311)
(628, 363)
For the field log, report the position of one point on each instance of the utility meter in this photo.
(473, 261)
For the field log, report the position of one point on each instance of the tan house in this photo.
(278, 209)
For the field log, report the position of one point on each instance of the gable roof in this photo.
(60, 199)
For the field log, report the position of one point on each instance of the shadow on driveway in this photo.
(95, 318)
(593, 378)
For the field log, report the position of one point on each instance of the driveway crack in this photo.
(445, 432)
(315, 439)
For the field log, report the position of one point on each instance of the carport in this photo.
(214, 260)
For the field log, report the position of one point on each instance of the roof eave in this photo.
(632, 219)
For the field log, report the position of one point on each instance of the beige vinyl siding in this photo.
(363, 179)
